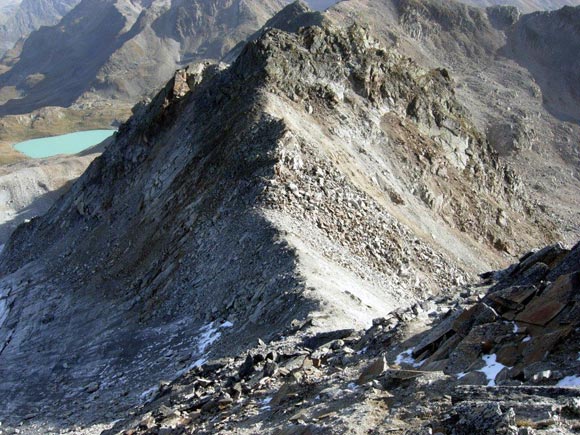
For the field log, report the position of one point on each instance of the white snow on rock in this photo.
(147, 395)
(4, 308)
(265, 403)
(209, 334)
(406, 357)
(492, 368)
(569, 381)
(3, 311)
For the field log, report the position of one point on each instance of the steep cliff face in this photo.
(124, 49)
(28, 15)
(319, 182)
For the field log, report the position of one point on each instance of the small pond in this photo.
(71, 143)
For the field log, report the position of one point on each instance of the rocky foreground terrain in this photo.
(215, 268)
(501, 357)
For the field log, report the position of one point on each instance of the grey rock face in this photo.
(185, 236)
(545, 45)
(527, 107)
(29, 189)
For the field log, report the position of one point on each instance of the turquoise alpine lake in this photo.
(71, 143)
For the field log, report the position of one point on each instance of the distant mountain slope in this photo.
(125, 49)
(26, 16)
(525, 6)
(548, 46)
(7, 9)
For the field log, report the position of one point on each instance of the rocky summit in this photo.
(214, 270)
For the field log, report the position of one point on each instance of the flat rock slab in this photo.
(547, 306)
(326, 337)
(437, 335)
(540, 345)
(515, 294)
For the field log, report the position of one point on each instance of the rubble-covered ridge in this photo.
(474, 369)
(318, 182)
(408, 113)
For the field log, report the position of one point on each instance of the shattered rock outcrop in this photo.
(524, 326)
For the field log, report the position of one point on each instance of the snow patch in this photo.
(406, 357)
(492, 368)
(209, 334)
(528, 338)
(460, 375)
(265, 403)
(516, 328)
(147, 395)
(267, 400)
(569, 381)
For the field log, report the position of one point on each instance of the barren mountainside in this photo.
(321, 234)
(28, 15)
(321, 180)
(513, 73)
(525, 6)
(134, 48)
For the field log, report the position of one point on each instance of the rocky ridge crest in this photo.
(318, 182)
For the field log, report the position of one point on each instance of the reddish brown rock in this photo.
(544, 308)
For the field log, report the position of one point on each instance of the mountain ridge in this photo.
(260, 219)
